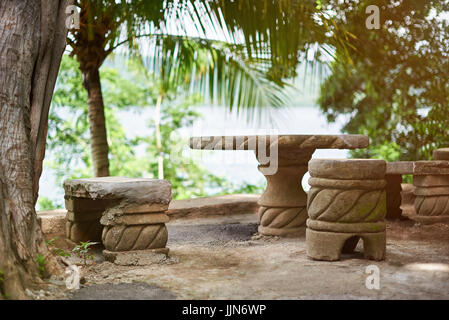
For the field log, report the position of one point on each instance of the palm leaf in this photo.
(257, 44)
(218, 70)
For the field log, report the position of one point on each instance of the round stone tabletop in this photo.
(291, 141)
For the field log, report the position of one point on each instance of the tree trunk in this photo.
(157, 120)
(98, 137)
(32, 40)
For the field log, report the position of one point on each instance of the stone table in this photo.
(283, 161)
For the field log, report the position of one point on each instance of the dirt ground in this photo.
(222, 258)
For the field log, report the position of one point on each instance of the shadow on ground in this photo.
(210, 234)
(122, 291)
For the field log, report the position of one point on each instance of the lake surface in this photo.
(236, 166)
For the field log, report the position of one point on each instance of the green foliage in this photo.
(388, 151)
(61, 252)
(247, 188)
(216, 70)
(45, 204)
(68, 133)
(283, 33)
(187, 179)
(82, 250)
(41, 263)
(223, 70)
(397, 89)
(239, 53)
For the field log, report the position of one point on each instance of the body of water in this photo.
(236, 166)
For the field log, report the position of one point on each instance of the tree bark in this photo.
(32, 40)
(97, 123)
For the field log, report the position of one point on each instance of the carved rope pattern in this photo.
(281, 218)
(432, 206)
(137, 237)
(336, 205)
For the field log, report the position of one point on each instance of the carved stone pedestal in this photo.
(134, 231)
(283, 205)
(346, 203)
(127, 215)
(431, 181)
(83, 218)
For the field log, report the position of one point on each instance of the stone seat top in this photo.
(348, 169)
(136, 190)
(290, 141)
(441, 154)
(418, 167)
(431, 167)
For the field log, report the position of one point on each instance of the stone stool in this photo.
(431, 181)
(346, 202)
(128, 215)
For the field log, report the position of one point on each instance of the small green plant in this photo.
(56, 250)
(2, 289)
(41, 262)
(82, 250)
(51, 241)
(61, 252)
(2, 279)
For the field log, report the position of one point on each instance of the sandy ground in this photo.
(220, 258)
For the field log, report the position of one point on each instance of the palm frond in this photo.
(242, 51)
(218, 70)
